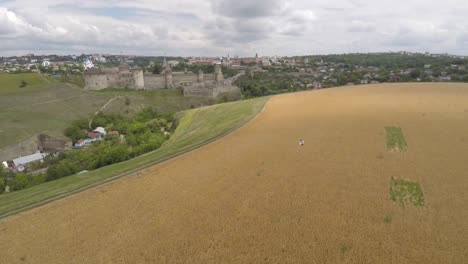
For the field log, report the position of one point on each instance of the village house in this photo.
(20, 163)
(96, 135)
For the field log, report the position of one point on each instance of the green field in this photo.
(196, 127)
(47, 106)
(406, 192)
(395, 140)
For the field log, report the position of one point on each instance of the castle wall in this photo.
(205, 85)
(198, 90)
(113, 80)
(110, 70)
(182, 80)
(226, 88)
(209, 77)
(154, 81)
(96, 82)
(125, 80)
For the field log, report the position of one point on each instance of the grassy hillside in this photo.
(196, 127)
(47, 106)
(10, 83)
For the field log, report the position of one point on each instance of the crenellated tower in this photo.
(218, 74)
(168, 75)
(200, 77)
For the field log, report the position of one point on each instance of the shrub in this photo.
(2, 185)
(38, 179)
(19, 182)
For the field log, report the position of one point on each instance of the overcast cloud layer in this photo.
(242, 27)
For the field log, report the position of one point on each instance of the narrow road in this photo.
(103, 108)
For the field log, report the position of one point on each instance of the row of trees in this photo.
(267, 83)
(19, 181)
(144, 132)
(389, 60)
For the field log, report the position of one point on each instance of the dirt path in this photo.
(258, 197)
(103, 108)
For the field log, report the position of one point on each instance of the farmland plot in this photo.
(257, 196)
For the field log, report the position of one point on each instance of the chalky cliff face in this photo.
(199, 84)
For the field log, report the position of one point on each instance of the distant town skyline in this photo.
(221, 27)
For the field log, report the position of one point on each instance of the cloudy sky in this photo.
(242, 27)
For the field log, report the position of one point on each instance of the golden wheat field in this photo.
(256, 196)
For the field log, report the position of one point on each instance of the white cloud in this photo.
(215, 27)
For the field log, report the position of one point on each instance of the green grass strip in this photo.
(395, 140)
(406, 192)
(197, 127)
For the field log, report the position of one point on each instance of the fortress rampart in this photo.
(192, 84)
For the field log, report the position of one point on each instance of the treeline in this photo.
(267, 83)
(143, 133)
(19, 181)
(389, 60)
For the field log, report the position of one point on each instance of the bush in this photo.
(74, 133)
(19, 182)
(38, 179)
(142, 134)
(23, 84)
(2, 185)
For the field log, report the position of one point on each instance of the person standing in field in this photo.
(301, 142)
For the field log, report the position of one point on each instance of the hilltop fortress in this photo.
(200, 84)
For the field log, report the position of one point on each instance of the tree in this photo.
(2, 179)
(19, 182)
(156, 69)
(74, 133)
(416, 73)
(2, 185)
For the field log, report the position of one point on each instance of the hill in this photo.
(46, 105)
(196, 127)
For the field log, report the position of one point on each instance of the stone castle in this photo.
(199, 84)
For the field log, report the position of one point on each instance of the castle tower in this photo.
(200, 76)
(219, 74)
(168, 76)
(138, 78)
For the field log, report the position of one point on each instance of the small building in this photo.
(100, 130)
(20, 163)
(80, 143)
(113, 133)
(93, 136)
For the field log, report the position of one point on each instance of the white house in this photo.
(100, 130)
(21, 162)
(46, 63)
(88, 64)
